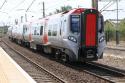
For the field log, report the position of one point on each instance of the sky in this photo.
(113, 14)
(16, 8)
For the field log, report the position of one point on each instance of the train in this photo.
(75, 35)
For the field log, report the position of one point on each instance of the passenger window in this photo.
(75, 23)
(41, 30)
(54, 30)
(35, 32)
(49, 31)
(24, 28)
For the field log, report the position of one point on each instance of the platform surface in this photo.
(10, 71)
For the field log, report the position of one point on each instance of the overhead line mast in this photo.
(43, 10)
(95, 4)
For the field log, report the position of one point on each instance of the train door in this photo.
(25, 35)
(34, 27)
(24, 32)
(39, 33)
(60, 32)
(35, 35)
(101, 36)
(55, 32)
(89, 34)
(45, 32)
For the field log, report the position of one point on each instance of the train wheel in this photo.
(64, 58)
(57, 55)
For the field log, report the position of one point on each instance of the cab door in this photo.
(101, 36)
(60, 32)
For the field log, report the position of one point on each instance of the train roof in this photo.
(73, 11)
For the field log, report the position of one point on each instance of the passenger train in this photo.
(75, 35)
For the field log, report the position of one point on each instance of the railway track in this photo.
(105, 73)
(108, 73)
(44, 77)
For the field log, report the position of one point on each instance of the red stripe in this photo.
(91, 30)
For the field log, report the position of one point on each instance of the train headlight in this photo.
(101, 39)
(72, 39)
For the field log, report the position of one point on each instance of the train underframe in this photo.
(84, 54)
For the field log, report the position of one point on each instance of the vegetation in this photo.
(62, 9)
(3, 30)
(122, 29)
(110, 30)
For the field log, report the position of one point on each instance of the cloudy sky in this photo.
(11, 9)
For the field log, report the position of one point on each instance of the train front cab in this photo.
(89, 44)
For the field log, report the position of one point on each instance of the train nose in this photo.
(88, 54)
(89, 35)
